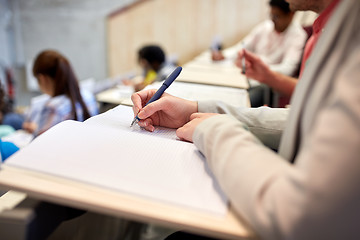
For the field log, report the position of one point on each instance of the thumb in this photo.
(196, 115)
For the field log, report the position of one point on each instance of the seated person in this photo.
(63, 99)
(257, 69)
(152, 60)
(13, 119)
(279, 43)
(8, 116)
(6, 148)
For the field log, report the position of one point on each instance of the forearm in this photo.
(287, 68)
(281, 83)
(265, 123)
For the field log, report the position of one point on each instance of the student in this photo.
(152, 60)
(9, 117)
(258, 69)
(63, 100)
(308, 189)
(6, 148)
(5, 129)
(279, 42)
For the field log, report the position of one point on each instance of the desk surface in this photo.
(115, 95)
(93, 197)
(234, 96)
(114, 203)
(213, 73)
(85, 196)
(200, 71)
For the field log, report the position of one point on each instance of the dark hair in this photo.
(2, 96)
(282, 4)
(57, 67)
(153, 54)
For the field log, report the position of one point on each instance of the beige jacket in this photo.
(317, 197)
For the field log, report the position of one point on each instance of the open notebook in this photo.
(104, 151)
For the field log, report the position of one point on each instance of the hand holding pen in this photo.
(255, 67)
(242, 64)
(168, 81)
(167, 111)
(243, 60)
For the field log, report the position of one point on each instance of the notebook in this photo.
(104, 151)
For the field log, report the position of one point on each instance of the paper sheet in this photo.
(106, 152)
(121, 117)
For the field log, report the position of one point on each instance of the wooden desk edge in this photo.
(105, 201)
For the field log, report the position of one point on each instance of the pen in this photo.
(243, 70)
(243, 66)
(168, 81)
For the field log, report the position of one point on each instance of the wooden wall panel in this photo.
(183, 28)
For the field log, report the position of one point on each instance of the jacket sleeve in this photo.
(265, 123)
(317, 197)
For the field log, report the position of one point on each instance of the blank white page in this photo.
(122, 116)
(109, 154)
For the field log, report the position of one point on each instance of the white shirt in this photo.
(281, 51)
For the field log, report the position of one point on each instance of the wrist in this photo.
(192, 107)
(269, 77)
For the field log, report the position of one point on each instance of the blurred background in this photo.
(101, 37)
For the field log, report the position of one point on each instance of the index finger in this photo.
(159, 105)
(140, 98)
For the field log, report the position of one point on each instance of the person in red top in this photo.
(285, 85)
(308, 188)
(318, 27)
